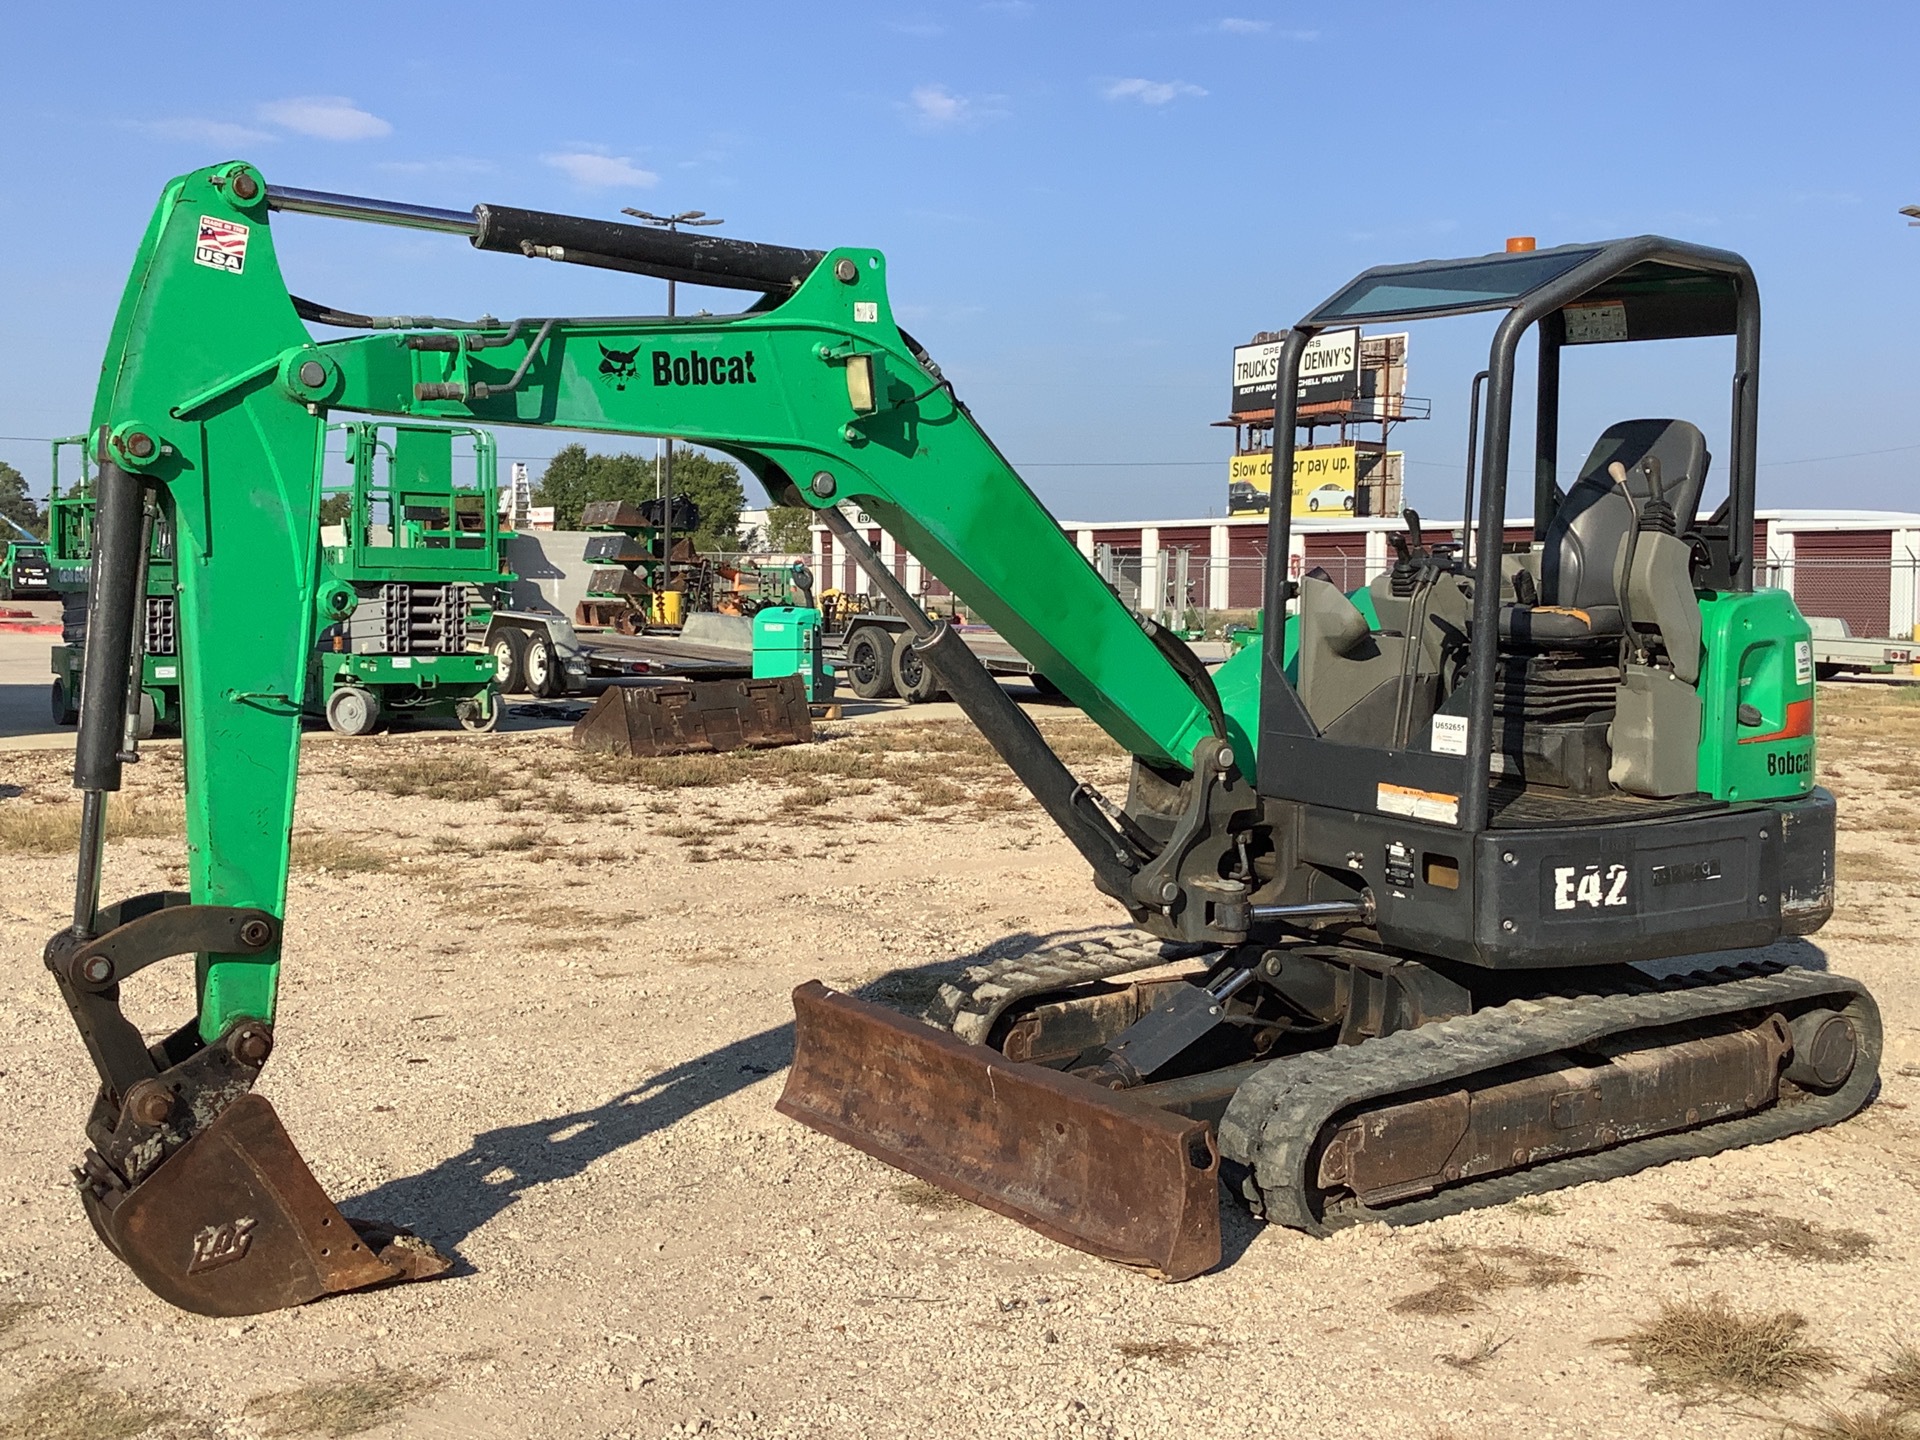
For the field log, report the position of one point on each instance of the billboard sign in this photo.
(1323, 483)
(1329, 371)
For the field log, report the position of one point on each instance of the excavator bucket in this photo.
(233, 1223)
(1096, 1169)
(707, 715)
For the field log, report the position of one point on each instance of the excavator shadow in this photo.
(466, 1191)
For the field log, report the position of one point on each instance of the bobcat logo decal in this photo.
(619, 365)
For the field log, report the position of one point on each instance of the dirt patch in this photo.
(1709, 1349)
(1467, 1274)
(1784, 1235)
(1174, 1353)
(337, 855)
(343, 1407)
(37, 829)
(74, 1405)
(919, 1195)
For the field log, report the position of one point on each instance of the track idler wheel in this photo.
(233, 1223)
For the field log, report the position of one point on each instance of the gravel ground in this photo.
(537, 1010)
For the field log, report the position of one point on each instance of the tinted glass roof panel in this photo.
(1449, 285)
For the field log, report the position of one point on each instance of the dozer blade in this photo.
(233, 1223)
(1095, 1169)
(707, 715)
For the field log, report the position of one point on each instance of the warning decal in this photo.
(1418, 804)
(222, 245)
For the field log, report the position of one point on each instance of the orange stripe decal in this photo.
(1799, 725)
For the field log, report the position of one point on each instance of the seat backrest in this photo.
(1583, 542)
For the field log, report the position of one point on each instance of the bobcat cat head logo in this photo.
(618, 365)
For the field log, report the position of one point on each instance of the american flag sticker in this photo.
(222, 245)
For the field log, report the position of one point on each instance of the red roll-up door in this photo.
(1246, 566)
(1342, 555)
(1847, 573)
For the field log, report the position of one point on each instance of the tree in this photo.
(575, 476)
(789, 529)
(18, 506)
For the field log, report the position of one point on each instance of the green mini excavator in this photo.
(1391, 884)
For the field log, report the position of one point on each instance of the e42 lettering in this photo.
(1589, 887)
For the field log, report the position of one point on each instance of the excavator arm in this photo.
(212, 411)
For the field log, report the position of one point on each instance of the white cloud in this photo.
(1152, 92)
(325, 117)
(216, 134)
(935, 107)
(447, 165)
(1235, 26)
(601, 172)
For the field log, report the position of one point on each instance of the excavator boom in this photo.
(214, 403)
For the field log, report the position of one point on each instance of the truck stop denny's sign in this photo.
(1329, 372)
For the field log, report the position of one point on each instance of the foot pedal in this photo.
(233, 1223)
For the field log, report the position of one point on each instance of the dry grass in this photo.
(1533, 1205)
(12, 1313)
(1757, 1229)
(1704, 1349)
(919, 1195)
(76, 1406)
(1898, 1379)
(1467, 1274)
(337, 855)
(30, 829)
(342, 1407)
(1174, 1353)
(1477, 1354)
(450, 774)
(1889, 1422)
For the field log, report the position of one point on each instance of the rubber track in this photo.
(970, 1012)
(1271, 1129)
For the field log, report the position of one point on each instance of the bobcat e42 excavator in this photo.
(1406, 862)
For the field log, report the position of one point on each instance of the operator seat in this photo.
(1579, 589)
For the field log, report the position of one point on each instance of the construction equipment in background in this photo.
(155, 702)
(401, 582)
(699, 717)
(1404, 873)
(634, 586)
(24, 571)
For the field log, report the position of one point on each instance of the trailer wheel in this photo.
(510, 660)
(481, 716)
(870, 664)
(352, 710)
(913, 678)
(544, 676)
(148, 720)
(66, 710)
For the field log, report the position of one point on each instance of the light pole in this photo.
(664, 483)
(1912, 212)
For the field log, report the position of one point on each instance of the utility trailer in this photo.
(1838, 651)
(875, 656)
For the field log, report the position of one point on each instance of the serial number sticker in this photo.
(1449, 735)
(166, 672)
(1593, 323)
(1589, 886)
(1803, 662)
(866, 312)
(403, 662)
(222, 245)
(1442, 809)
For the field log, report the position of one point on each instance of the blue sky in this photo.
(1084, 206)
